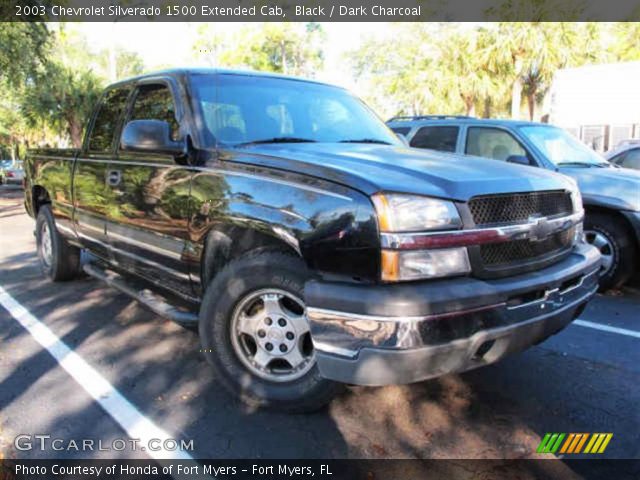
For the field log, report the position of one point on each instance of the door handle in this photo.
(114, 177)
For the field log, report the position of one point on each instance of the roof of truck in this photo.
(210, 71)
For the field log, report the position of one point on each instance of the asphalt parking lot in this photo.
(584, 379)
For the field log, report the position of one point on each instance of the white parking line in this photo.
(114, 403)
(607, 328)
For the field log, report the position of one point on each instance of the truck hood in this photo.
(373, 168)
(609, 186)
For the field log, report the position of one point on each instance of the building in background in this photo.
(599, 104)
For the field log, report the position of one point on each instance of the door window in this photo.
(492, 143)
(436, 138)
(106, 121)
(631, 159)
(155, 102)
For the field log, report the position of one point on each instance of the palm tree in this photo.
(466, 69)
(527, 55)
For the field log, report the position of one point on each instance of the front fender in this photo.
(605, 201)
(331, 227)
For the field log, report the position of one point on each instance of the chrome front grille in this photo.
(504, 254)
(518, 207)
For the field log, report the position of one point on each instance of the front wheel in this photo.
(255, 333)
(611, 237)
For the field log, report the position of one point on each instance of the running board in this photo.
(145, 297)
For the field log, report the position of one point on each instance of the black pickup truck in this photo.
(307, 243)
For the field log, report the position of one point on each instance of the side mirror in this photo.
(153, 136)
(519, 159)
(403, 139)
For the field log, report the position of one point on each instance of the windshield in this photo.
(246, 109)
(562, 148)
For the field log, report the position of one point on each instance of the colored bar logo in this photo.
(574, 443)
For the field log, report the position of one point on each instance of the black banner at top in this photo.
(318, 10)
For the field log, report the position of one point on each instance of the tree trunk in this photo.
(471, 109)
(516, 98)
(283, 53)
(516, 88)
(75, 132)
(531, 102)
(113, 70)
(487, 108)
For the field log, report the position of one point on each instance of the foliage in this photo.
(289, 48)
(63, 97)
(461, 69)
(50, 81)
(23, 48)
(50, 77)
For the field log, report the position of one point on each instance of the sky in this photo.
(169, 43)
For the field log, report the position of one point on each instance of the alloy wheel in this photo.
(604, 245)
(270, 335)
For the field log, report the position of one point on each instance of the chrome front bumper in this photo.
(405, 333)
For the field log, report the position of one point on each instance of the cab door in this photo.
(93, 196)
(148, 229)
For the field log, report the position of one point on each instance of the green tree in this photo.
(526, 55)
(626, 46)
(70, 48)
(289, 48)
(61, 92)
(399, 72)
(465, 69)
(62, 97)
(23, 50)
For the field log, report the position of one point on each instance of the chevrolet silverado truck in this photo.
(610, 195)
(308, 245)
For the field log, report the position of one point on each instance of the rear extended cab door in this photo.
(93, 196)
(443, 137)
(147, 228)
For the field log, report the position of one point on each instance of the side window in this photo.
(155, 102)
(106, 121)
(631, 159)
(436, 138)
(401, 130)
(619, 159)
(492, 143)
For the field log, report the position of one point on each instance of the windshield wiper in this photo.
(278, 140)
(582, 164)
(366, 140)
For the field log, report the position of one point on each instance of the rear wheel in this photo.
(59, 260)
(611, 237)
(255, 333)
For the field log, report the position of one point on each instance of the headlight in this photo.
(576, 200)
(410, 213)
(422, 264)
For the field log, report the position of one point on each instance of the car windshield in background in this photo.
(239, 110)
(562, 148)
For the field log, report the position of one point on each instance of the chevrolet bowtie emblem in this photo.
(541, 228)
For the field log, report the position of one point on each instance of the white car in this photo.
(626, 154)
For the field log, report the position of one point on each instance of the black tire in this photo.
(250, 273)
(621, 245)
(64, 262)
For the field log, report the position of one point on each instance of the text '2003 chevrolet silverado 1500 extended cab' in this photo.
(310, 245)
